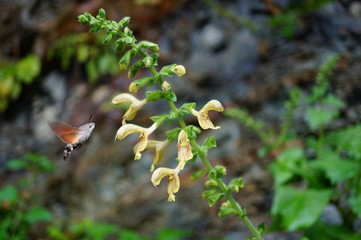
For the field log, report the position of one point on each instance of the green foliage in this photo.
(88, 229)
(31, 162)
(297, 208)
(84, 49)
(304, 184)
(289, 19)
(19, 209)
(14, 75)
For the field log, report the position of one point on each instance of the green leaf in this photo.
(102, 13)
(333, 101)
(236, 184)
(125, 21)
(318, 116)
(108, 37)
(38, 214)
(213, 198)
(217, 172)
(16, 164)
(210, 143)
(92, 70)
(336, 168)
(159, 119)
(346, 139)
(197, 174)
(130, 235)
(149, 45)
(299, 209)
(172, 234)
(287, 164)
(125, 60)
(186, 108)
(261, 228)
(28, 68)
(15, 91)
(173, 134)
(355, 203)
(154, 95)
(94, 28)
(167, 71)
(225, 211)
(8, 194)
(193, 131)
(139, 83)
(135, 68)
(170, 96)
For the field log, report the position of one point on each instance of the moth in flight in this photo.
(74, 137)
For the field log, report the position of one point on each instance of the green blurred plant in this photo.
(88, 229)
(289, 19)
(20, 209)
(144, 54)
(13, 75)
(312, 171)
(85, 49)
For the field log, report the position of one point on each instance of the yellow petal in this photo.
(205, 122)
(127, 129)
(133, 109)
(160, 173)
(213, 105)
(123, 98)
(202, 115)
(184, 147)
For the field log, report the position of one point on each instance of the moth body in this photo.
(73, 137)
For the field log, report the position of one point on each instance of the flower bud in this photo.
(166, 86)
(179, 70)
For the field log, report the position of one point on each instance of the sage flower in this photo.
(184, 149)
(134, 107)
(127, 129)
(159, 147)
(202, 115)
(173, 180)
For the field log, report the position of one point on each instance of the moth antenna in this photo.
(105, 115)
(90, 118)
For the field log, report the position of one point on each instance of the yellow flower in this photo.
(159, 147)
(184, 149)
(173, 180)
(133, 108)
(127, 129)
(179, 70)
(202, 115)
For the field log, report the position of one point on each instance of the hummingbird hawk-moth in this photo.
(74, 137)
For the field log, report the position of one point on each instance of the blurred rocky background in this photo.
(243, 53)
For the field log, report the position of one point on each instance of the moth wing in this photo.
(65, 132)
(71, 138)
